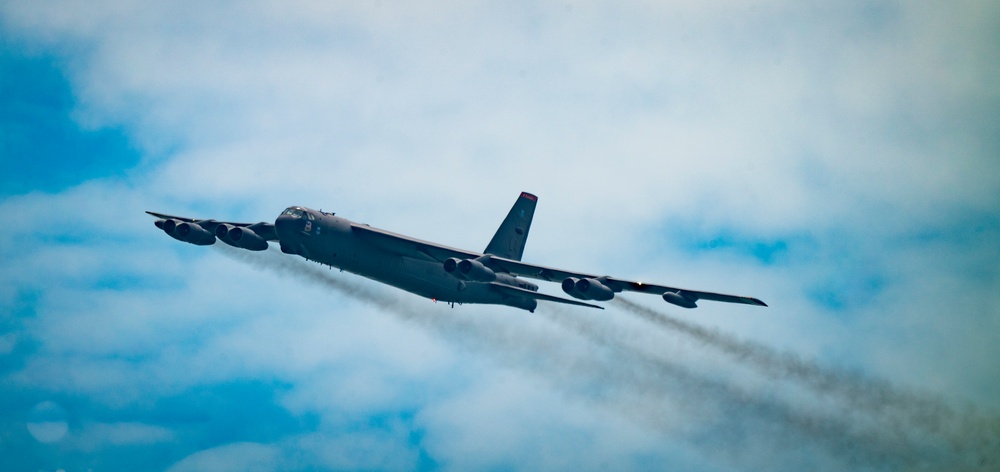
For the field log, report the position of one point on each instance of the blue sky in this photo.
(837, 161)
(37, 121)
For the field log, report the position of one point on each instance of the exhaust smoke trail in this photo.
(896, 410)
(741, 408)
(464, 330)
(628, 372)
(871, 394)
(639, 385)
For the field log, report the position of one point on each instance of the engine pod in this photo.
(474, 270)
(593, 289)
(245, 238)
(190, 233)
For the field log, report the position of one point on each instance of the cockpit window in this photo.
(296, 212)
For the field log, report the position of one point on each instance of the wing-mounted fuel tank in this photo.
(469, 269)
(241, 237)
(189, 232)
(588, 289)
(681, 299)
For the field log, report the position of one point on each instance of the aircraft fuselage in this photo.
(331, 240)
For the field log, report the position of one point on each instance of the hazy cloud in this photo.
(837, 161)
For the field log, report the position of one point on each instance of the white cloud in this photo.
(94, 436)
(860, 134)
(236, 456)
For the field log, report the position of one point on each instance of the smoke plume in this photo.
(896, 411)
(617, 373)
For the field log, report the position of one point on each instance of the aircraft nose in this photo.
(284, 225)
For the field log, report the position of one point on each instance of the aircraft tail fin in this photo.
(509, 240)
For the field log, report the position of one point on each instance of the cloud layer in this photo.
(837, 161)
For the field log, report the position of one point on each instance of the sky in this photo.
(837, 160)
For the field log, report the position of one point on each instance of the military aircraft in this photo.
(431, 270)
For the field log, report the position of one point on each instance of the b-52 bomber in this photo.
(435, 271)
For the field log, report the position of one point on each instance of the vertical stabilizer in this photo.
(513, 232)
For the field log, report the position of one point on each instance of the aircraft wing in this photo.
(618, 285)
(416, 248)
(536, 271)
(411, 247)
(687, 293)
(262, 229)
(522, 293)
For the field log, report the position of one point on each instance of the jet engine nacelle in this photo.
(238, 236)
(469, 269)
(168, 227)
(587, 289)
(451, 265)
(222, 232)
(187, 232)
(593, 289)
(569, 286)
(680, 299)
(472, 269)
(194, 234)
(247, 239)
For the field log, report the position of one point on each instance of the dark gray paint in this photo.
(428, 269)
